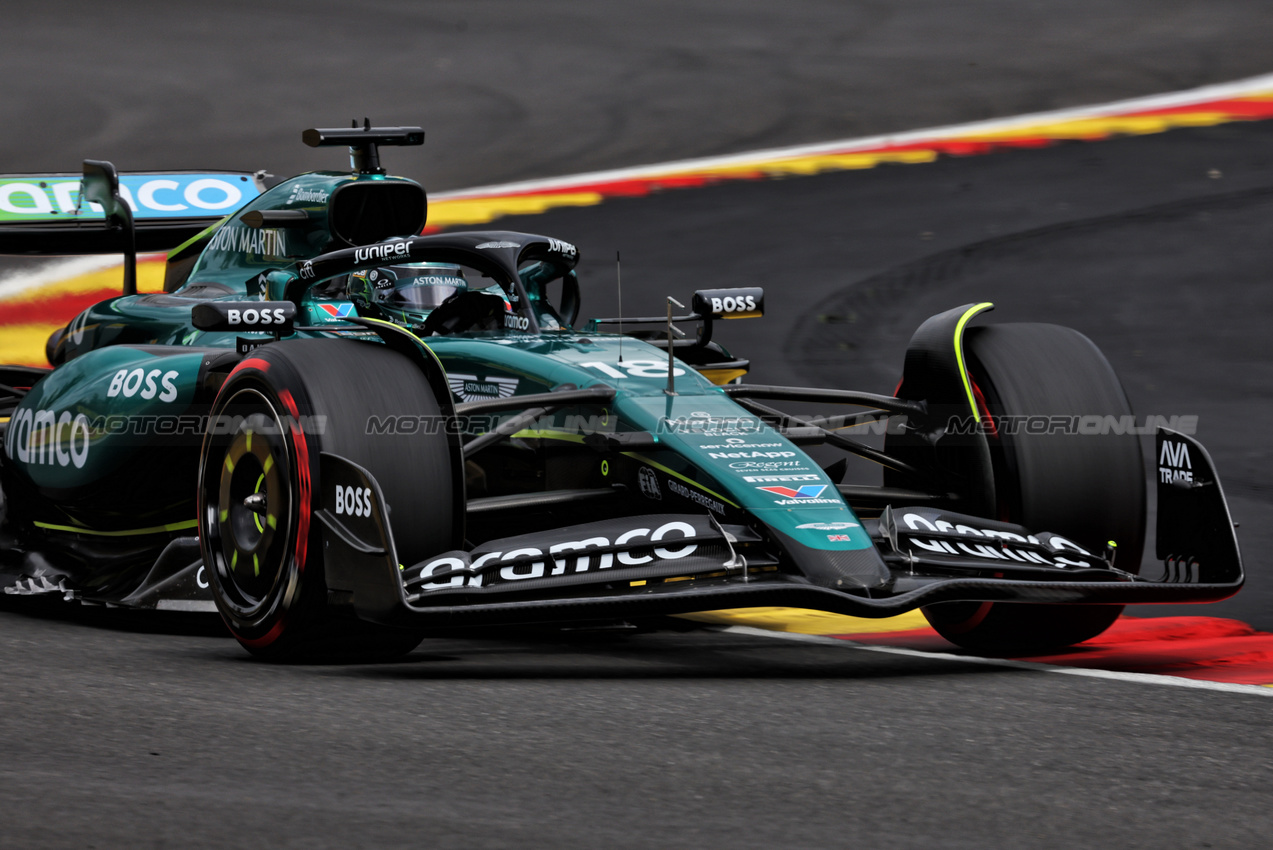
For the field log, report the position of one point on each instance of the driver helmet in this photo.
(404, 293)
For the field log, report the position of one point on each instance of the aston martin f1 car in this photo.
(336, 429)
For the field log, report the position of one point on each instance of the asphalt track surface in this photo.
(116, 733)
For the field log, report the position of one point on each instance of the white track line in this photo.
(21, 281)
(1219, 91)
(1140, 678)
(55, 271)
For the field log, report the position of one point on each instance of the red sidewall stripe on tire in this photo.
(302, 479)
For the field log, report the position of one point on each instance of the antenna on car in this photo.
(671, 328)
(619, 280)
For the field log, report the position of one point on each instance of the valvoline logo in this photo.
(808, 491)
(337, 311)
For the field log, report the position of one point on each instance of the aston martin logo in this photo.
(472, 388)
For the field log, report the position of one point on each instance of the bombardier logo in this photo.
(316, 196)
(473, 388)
(575, 556)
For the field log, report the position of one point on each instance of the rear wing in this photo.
(45, 213)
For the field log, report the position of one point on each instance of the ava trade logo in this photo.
(807, 491)
(337, 311)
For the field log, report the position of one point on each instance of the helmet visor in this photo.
(424, 293)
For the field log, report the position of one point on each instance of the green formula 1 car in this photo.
(342, 434)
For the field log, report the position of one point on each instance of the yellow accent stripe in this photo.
(721, 377)
(543, 434)
(959, 352)
(463, 213)
(158, 529)
(806, 622)
(673, 472)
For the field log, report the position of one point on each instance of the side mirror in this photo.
(570, 298)
(274, 317)
(745, 303)
(100, 185)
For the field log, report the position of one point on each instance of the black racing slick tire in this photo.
(260, 489)
(1077, 477)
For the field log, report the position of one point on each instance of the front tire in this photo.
(1089, 487)
(259, 488)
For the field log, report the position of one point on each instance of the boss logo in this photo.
(256, 317)
(244, 315)
(143, 383)
(730, 303)
(353, 501)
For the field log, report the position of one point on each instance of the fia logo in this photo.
(649, 483)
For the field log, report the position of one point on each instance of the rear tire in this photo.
(1087, 487)
(259, 488)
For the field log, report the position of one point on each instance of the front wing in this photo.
(683, 563)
